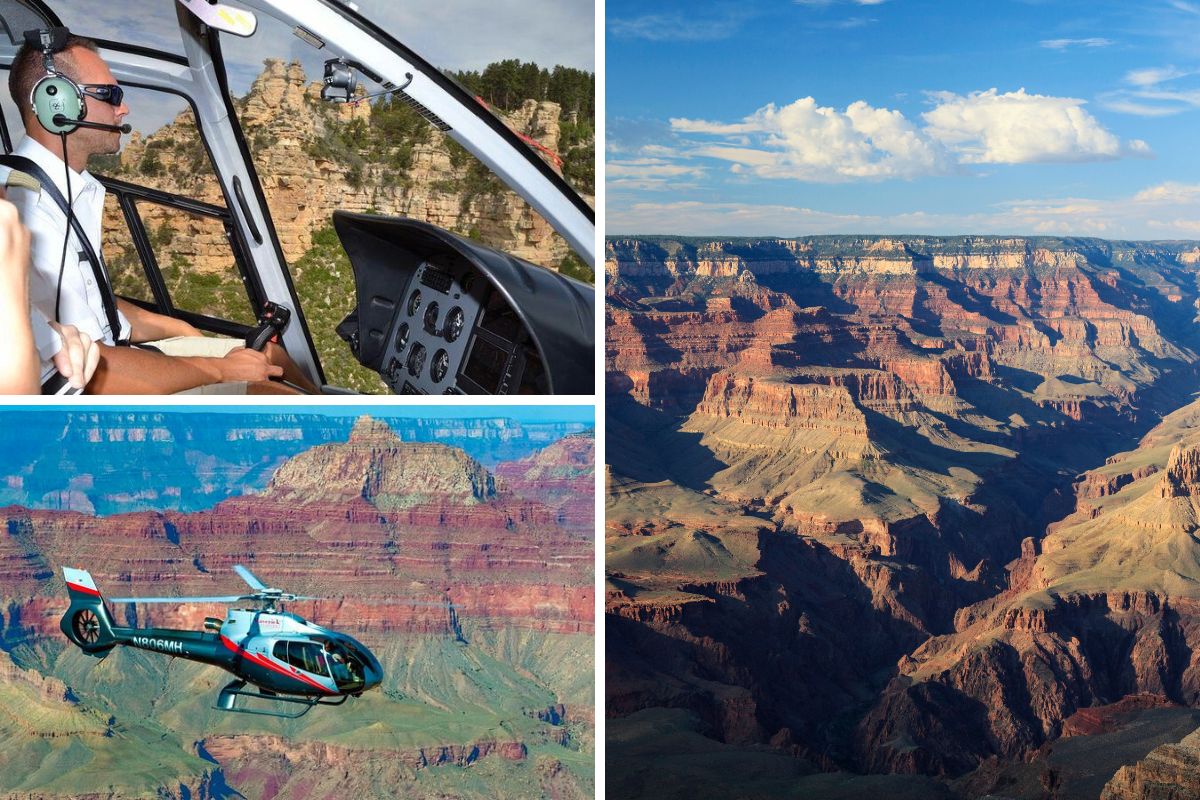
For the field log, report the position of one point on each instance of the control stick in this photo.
(272, 322)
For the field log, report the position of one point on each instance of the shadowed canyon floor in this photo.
(472, 585)
(902, 516)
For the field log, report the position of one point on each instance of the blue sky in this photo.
(794, 117)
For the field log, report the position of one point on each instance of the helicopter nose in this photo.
(372, 677)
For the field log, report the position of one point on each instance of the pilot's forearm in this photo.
(149, 326)
(128, 370)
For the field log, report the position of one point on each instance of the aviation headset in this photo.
(55, 93)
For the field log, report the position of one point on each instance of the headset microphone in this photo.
(59, 119)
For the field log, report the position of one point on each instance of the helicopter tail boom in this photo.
(87, 623)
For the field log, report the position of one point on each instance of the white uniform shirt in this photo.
(81, 302)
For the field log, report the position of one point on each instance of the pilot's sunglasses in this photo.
(108, 92)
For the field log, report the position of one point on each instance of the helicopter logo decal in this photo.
(284, 657)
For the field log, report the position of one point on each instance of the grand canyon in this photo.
(459, 550)
(902, 516)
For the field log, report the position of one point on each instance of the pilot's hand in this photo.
(77, 359)
(247, 365)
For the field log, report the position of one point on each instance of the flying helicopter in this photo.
(435, 312)
(285, 657)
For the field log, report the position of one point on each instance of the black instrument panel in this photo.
(431, 329)
(440, 314)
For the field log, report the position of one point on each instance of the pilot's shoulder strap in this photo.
(29, 167)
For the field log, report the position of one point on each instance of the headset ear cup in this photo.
(53, 95)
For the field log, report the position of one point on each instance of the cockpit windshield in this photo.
(347, 664)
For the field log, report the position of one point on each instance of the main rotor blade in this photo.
(249, 578)
(232, 598)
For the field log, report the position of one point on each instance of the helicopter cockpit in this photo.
(327, 657)
(296, 216)
(347, 664)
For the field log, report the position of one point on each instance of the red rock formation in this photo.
(1169, 772)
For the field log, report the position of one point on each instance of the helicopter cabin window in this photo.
(164, 180)
(307, 656)
(380, 155)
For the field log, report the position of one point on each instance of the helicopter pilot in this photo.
(63, 284)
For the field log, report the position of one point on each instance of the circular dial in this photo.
(393, 370)
(440, 366)
(454, 324)
(414, 302)
(416, 360)
(431, 315)
(401, 336)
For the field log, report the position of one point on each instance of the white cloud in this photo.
(809, 142)
(1020, 128)
(1063, 44)
(1151, 76)
(1149, 98)
(805, 141)
(1165, 211)
(674, 27)
(833, 2)
(1169, 192)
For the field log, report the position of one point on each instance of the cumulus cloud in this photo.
(810, 142)
(1021, 128)
(805, 141)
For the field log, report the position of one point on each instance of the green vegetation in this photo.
(506, 84)
(140, 715)
(325, 283)
(574, 267)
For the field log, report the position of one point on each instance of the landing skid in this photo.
(227, 701)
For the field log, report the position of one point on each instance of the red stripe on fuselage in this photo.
(76, 587)
(262, 661)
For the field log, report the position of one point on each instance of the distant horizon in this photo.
(723, 236)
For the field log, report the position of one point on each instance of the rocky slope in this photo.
(476, 597)
(823, 453)
(1169, 772)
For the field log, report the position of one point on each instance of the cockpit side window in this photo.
(307, 656)
(184, 258)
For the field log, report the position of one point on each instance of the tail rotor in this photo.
(86, 623)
